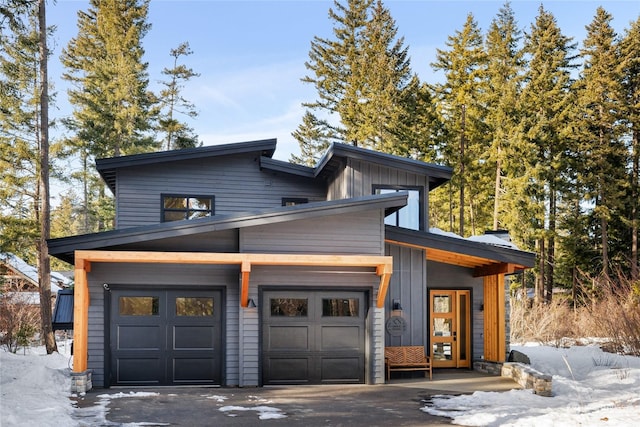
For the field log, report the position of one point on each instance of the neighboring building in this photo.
(19, 280)
(228, 267)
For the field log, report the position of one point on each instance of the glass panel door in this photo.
(443, 328)
(449, 328)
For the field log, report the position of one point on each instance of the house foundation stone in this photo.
(81, 381)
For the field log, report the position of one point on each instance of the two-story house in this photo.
(228, 267)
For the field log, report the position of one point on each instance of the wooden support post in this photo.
(80, 315)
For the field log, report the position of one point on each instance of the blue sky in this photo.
(251, 54)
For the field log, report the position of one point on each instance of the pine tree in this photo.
(364, 77)
(464, 146)
(114, 112)
(599, 105)
(178, 135)
(630, 74)
(505, 66)
(24, 143)
(538, 160)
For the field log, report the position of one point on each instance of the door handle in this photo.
(455, 335)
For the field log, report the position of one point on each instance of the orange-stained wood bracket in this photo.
(244, 291)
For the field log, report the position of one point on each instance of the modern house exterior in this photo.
(228, 267)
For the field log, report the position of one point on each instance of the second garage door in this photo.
(313, 337)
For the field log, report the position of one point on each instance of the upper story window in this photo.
(292, 201)
(411, 216)
(177, 207)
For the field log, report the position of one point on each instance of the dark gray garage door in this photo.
(165, 337)
(313, 337)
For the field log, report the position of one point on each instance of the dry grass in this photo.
(610, 313)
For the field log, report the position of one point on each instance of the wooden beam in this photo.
(498, 268)
(80, 316)
(382, 264)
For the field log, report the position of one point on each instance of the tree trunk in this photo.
(44, 265)
(634, 204)
(496, 196)
(551, 248)
(539, 286)
(462, 144)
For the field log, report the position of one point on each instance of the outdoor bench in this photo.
(407, 358)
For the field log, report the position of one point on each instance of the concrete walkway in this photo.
(396, 403)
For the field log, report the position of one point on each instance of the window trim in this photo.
(294, 200)
(187, 210)
(399, 188)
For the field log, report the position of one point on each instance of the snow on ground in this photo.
(35, 389)
(591, 388)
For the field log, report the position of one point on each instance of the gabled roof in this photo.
(484, 258)
(107, 167)
(29, 273)
(63, 248)
(337, 153)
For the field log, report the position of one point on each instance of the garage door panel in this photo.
(132, 337)
(288, 370)
(194, 370)
(291, 338)
(193, 337)
(340, 338)
(139, 370)
(342, 369)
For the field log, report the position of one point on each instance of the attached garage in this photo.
(165, 336)
(313, 337)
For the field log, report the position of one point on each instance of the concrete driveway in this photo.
(397, 403)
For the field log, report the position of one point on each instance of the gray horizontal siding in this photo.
(360, 233)
(236, 182)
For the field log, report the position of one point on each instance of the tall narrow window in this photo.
(179, 207)
(411, 216)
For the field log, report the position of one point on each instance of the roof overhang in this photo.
(127, 238)
(335, 158)
(483, 258)
(108, 167)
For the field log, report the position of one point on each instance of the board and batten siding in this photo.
(408, 286)
(446, 276)
(358, 178)
(135, 276)
(236, 182)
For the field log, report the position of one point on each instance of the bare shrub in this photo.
(609, 311)
(19, 317)
(614, 314)
(549, 323)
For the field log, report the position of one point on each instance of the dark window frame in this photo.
(292, 201)
(187, 210)
(399, 188)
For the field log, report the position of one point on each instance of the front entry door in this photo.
(450, 328)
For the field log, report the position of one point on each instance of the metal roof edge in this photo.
(461, 245)
(62, 247)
